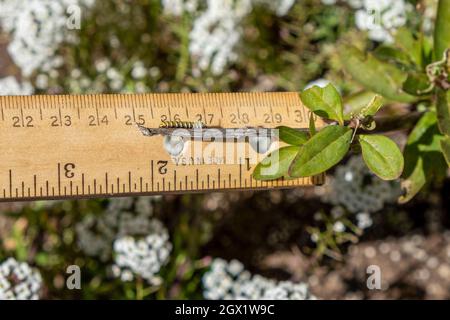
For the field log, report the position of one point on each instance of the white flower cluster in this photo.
(217, 30)
(379, 17)
(229, 280)
(18, 281)
(178, 7)
(9, 86)
(123, 216)
(144, 256)
(356, 188)
(37, 28)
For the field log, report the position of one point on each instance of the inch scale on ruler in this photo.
(88, 145)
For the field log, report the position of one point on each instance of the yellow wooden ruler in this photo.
(89, 145)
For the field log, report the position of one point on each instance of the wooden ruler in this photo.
(88, 145)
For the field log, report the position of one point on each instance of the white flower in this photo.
(229, 280)
(37, 28)
(178, 7)
(338, 227)
(379, 17)
(123, 216)
(10, 86)
(18, 281)
(217, 31)
(364, 220)
(144, 256)
(138, 71)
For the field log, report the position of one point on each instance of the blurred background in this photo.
(304, 243)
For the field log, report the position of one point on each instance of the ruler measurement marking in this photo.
(78, 100)
(196, 176)
(59, 178)
(175, 179)
(152, 176)
(2, 107)
(35, 184)
(82, 183)
(21, 116)
(10, 183)
(97, 113)
(129, 181)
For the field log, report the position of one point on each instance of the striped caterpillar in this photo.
(182, 124)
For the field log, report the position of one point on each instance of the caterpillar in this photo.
(182, 124)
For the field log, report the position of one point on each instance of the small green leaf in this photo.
(375, 75)
(292, 136)
(392, 55)
(410, 45)
(312, 125)
(423, 158)
(416, 83)
(443, 111)
(441, 29)
(445, 146)
(356, 102)
(322, 151)
(372, 107)
(382, 156)
(325, 102)
(276, 164)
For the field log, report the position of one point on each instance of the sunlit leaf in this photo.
(276, 164)
(322, 151)
(382, 156)
(372, 107)
(312, 125)
(392, 55)
(410, 45)
(353, 104)
(375, 75)
(325, 102)
(292, 136)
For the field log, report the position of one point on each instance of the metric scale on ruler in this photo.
(70, 146)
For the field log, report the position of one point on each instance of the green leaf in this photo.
(325, 102)
(382, 156)
(276, 164)
(322, 151)
(410, 45)
(312, 125)
(356, 102)
(372, 107)
(393, 55)
(445, 146)
(423, 158)
(416, 83)
(292, 136)
(375, 75)
(441, 29)
(443, 111)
